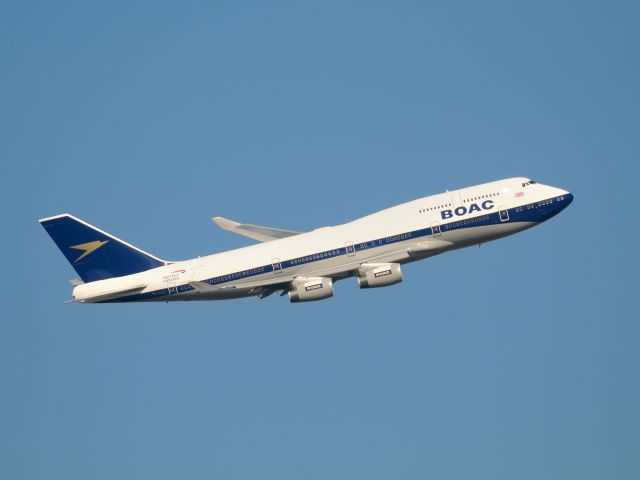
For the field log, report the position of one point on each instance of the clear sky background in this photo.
(515, 360)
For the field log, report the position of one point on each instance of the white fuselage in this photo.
(411, 231)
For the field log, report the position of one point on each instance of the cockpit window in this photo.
(528, 182)
(531, 182)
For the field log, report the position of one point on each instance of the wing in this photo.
(257, 232)
(262, 288)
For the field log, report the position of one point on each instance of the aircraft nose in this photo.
(563, 201)
(568, 198)
(564, 197)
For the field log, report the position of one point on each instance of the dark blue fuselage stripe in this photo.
(533, 212)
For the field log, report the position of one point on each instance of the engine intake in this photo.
(310, 289)
(373, 275)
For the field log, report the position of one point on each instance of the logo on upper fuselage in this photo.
(88, 248)
(463, 210)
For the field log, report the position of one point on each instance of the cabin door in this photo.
(276, 265)
(351, 251)
(504, 213)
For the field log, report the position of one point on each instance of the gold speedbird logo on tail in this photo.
(88, 248)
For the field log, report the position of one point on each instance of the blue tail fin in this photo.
(95, 254)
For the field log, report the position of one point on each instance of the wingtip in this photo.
(224, 222)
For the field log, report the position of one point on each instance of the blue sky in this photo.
(515, 360)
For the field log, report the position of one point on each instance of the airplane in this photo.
(304, 265)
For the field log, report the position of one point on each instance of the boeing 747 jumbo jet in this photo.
(305, 265)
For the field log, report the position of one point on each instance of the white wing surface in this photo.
(256, 232)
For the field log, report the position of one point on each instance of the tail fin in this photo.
(95, 254)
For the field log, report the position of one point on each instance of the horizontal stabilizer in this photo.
(112, 294)
(256, 232)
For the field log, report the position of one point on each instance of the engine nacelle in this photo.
(373, 275)
(310, 289)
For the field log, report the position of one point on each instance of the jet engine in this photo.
(373, 275)
(310, 289)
